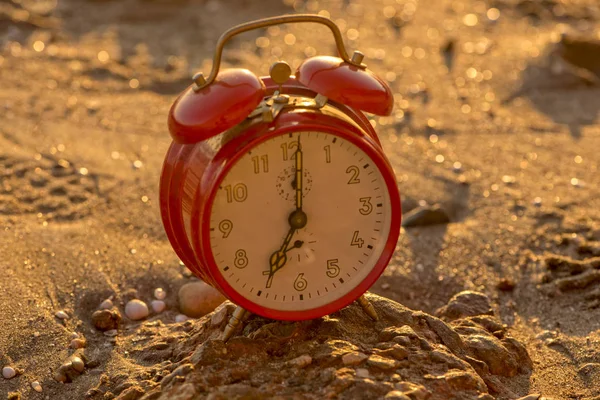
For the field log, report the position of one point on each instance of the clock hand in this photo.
(299, 173)
(297, 220)
(279, 258)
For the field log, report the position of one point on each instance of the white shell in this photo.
(136, 310)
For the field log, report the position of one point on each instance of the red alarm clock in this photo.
(276, 190)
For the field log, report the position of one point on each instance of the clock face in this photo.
(299, 221)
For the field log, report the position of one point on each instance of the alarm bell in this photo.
(223, 100)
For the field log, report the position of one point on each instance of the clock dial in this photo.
(299, 221)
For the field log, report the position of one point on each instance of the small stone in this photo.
(158, 306)
(36, 386)
(61, 315)
(136, 310)
(111, 333)
(396, 395)
(466, 304)
(385, 286)
(219, 316)
(36, 334)
(413, 391)
(105, 320)
(74, 335)
(181, 318)
(509, 179)
(8, 372)
(506, 285)
(425, 215)
(78, 364)
(160, 294)
(382, 362)
(106, 305)
(354, 358)
(132, 393)
(198, 298)
(362, 373)
(301, 361)
(77, 343)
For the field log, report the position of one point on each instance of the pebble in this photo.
(111, 333)
(385, 286)
(353, 358)
(136, 310)
(105, 320)
(396, 395)
(425, 215)
(181, 318)
(506, 285)
(61, 315)
(8, 372)
(158, 306)
(219, 316)
(77, 344)
(301, 361)
(198, 298)
(362, 373)
(382, 362)
(160, 294)
(106, 305)
(36, 386)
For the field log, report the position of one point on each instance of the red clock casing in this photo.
(192, 173)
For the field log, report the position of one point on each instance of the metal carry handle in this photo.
(201, 82)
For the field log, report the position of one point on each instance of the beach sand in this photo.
(496, 120)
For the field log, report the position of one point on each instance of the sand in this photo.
(486, 125)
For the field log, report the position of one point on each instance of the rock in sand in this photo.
(136, 310)
(198, 298)
(8, 372)
(158, 306)
(106, 320)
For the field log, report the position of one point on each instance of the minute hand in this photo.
(299, 174)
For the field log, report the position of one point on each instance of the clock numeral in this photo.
(355, 171)
(327, 154)
(333, 269)
(300, 283)
(287, 149)
(225, 226)
(239, 192)
(356, 241)
(367, 207)
(241, 260)
(256, 161)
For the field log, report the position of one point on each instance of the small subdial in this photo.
(286, 183)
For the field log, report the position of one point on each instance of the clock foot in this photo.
(238, 316)
(368, 307)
